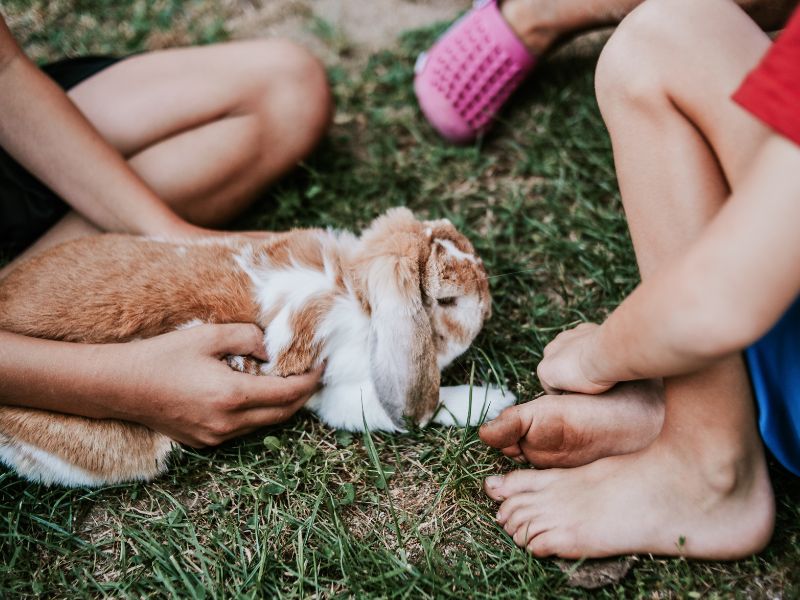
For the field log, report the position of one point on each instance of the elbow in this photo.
(8, 57)
(9, 49)
(716, 330)
(717, 340)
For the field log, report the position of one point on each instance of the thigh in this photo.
(149, 97)
(727, 45)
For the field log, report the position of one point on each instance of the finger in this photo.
(257, 235)
(261, 351)
(550, 390)
(236, 338)
(186, 440)
(255, 418)
(544, 380)
(554, 345)
(265, 391)
(245, 430)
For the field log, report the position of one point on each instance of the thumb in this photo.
(235, 338)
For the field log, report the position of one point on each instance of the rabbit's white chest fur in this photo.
(343, 336)
(348, 398)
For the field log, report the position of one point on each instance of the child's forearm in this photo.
(724, 293)
(46, 133)
(58, 376)
(174, 383)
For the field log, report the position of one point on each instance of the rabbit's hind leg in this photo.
(52, 448)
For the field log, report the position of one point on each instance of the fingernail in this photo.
(498, 517)
(494, 481)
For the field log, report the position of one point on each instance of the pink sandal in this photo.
(470, 72)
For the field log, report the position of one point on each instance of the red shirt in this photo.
(771, 91)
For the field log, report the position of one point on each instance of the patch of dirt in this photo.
(593, 574)
(340, 32)
(423, 507)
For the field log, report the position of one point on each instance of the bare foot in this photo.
(575, 429)
(534, 22)
(665, 500)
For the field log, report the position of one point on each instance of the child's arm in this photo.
(174, 383)
(725, 292)
(47, 134)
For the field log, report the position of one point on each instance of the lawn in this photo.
(300, 510)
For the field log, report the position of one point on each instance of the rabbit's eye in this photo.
(449, 301)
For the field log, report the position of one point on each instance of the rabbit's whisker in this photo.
(503, 274)
(511, 273)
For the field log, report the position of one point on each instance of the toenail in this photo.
(494, 481)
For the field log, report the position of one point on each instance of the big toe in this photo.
(501, 487)
(506, 430)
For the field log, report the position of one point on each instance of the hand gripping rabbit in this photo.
(386, 312)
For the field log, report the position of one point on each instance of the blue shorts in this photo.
(774, 364)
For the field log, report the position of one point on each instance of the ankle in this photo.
(724, 469)
(533, 21)
(728, 475)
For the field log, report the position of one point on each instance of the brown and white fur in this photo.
(386, 312)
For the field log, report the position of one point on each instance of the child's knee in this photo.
(295, 87)
(652, 46)
(637, 58)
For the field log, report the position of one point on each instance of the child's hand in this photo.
(564, 367)
(176, 384)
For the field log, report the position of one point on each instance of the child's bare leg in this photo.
(209, 127)
(702, 488)
(541, 23)
(570, 430)
(206, 127)
(680, 178)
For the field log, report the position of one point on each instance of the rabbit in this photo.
(386, 311)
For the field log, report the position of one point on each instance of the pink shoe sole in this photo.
(469, 73)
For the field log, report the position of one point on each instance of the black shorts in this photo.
(28, 208)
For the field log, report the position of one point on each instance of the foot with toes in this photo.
(570, 430)
(656, 501)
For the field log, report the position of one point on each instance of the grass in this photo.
(300, 510)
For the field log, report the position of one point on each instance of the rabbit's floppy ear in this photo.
(402, 352)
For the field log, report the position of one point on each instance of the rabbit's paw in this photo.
(458, 408)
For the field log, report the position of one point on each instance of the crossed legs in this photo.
(206, 127)
(697, 484)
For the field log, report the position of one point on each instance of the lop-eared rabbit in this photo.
(386, 312)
